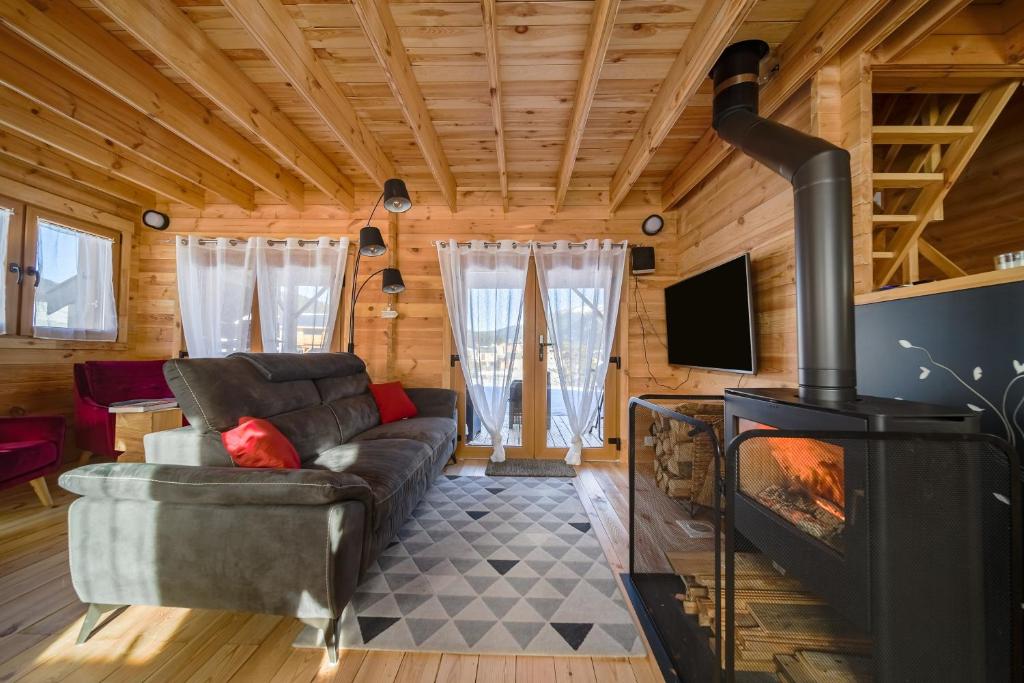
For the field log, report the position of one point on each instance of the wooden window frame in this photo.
(15, 249)
(121, 235)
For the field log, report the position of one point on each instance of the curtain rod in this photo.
(524, 244)
(236, 240)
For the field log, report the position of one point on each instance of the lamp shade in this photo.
(370, 242)
(393, 283)
(396, 196)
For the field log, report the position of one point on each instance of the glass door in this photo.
(535, 424)
(553, 436)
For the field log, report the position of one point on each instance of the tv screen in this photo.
(710, 319)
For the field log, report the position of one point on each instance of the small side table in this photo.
(129, 428)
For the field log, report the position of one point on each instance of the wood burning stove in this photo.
(822, 536)
(846, 518)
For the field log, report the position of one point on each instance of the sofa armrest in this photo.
(186, 446)
(434, 402)
(214, 485)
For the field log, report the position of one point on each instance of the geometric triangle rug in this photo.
(493, 565)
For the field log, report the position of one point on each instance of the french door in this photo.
(535, 423)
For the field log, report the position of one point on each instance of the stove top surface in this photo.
(864, 405)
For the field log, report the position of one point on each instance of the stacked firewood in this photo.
(780, 627)
(684, 456)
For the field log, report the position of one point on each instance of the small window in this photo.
(61, 277)
(74, 283)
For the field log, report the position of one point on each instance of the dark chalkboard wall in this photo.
(977, 334)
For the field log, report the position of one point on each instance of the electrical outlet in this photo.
(389, 314)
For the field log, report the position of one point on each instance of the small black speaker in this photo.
(642, 260)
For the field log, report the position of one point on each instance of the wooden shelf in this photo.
(994, 277)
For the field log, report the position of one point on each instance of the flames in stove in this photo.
(800, 480)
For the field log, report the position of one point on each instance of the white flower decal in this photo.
(1009, 415)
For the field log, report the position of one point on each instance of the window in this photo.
(62, 276)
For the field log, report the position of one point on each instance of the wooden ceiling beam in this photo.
(713, 30)
(917, 28)
(50, 83)
(163, 28)
(65, 31)
(40, 155)
(828, 27)
(379, 27)
(25, 117)
(283, 41)
(599, 35)
(490, 12)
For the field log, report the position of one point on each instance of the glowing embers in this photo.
(801, 480)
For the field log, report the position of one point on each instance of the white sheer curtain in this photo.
(75, 296)
(215, 284)
(5, 219)
(484, 289)
(580, 289)
(300, 285)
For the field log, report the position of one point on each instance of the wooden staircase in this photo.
(922, 145)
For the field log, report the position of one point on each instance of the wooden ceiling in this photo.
(537, 51)
(493, 95)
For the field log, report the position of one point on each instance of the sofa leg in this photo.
(319, 633)
(92, 618)
(42, 491)
(84, 458)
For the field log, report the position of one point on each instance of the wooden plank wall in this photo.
(420, 335)
(741, 207)
(38, 381)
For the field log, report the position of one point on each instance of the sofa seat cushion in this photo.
(433, 431)
(396, 470)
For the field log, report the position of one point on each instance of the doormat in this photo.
(485, 565)
(528, 467)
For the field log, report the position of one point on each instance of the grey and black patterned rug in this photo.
(494, 565)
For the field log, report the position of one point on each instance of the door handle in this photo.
(13, 267)
(32, 270)
(540, 346)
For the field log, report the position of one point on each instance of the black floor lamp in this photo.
(371, 243)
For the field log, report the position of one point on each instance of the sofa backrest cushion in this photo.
(284, 389)
(110, 381)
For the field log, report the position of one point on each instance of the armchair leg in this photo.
(92, 618)
(319, 633)
(42, 491)
(84, 458)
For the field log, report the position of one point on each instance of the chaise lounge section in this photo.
(189, 529)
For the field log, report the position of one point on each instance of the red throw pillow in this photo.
(392, 402)
(258, 443)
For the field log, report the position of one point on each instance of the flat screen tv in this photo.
(710, 319)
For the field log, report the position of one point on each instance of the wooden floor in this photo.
(40, 617)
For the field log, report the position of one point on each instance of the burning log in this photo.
(811, 515)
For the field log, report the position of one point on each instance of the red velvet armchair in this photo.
(30, 448)
(102, 382)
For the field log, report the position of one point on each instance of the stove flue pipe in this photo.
(820, 174)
